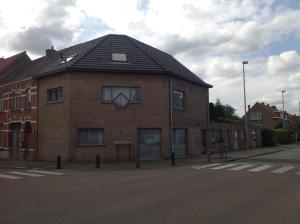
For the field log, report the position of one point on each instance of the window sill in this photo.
(55, 102)
(90, 146)
(176, 109)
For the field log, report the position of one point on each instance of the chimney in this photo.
(274, 107)
(248, 107)
(50, 52)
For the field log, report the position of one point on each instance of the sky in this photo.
(210, 37)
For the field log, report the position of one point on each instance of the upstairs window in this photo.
(55, 95)
(119, 57)
(28, 98)
(1, 104)
(178, 100)
(121, 96)
(255, 116)
(15, 101)
(90, 136)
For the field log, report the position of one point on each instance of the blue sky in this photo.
(211, 38)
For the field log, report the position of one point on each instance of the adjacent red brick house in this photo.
(113, 96)
(267, 116)
(18, 109)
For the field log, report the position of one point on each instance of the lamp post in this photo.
(283, 113)
(246, 125)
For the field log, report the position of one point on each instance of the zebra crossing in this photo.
(20, 174)
(254, 168)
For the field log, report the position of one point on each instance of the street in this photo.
(263, 189)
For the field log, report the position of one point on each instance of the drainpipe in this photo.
(171, 112)
(208, 129)
(37, 121)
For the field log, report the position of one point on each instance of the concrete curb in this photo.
(250, 156)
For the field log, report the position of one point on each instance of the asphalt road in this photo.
(184, 194)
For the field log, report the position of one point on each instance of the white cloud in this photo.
(212, 38)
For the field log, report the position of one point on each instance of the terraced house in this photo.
(113, 96)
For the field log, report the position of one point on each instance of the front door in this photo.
(179, 142)
(15, 139)
(149, 144)
(14, 144)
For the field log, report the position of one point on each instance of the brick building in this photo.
(115, 97)
(267, 116)
(18, 109)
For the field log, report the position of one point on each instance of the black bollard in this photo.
(58, 163)
(173, 159)
(137, 164)
(97, 161)
(208, 157)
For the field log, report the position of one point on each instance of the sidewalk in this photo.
(234, 155)
(125, 165)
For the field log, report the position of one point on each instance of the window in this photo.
(119, 57)
(179, 142)
(15, 101)
(67, 59)
(1, 134)
(255, 116)
(55, 95)
(1, 104)
(178, 100)
(216, 135)
(89, 136)
(242, 135)
(121, 96)
(28, 98)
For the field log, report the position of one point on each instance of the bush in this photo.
(268, 137)
(284, 136)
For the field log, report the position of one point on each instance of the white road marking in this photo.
(241, 167)
(44, 172)
(261, 168)
(283, 169)
(224, 166)
(26, 174)
(10, 177)
(205, 166)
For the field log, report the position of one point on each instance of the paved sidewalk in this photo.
(236, 155)
(125, 165)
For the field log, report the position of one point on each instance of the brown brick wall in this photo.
(194, 115)
(53, 119)
(83, 108)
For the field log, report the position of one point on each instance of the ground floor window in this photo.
(90, 136)
(179, 142)
(216, 135)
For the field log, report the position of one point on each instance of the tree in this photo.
(222, 113)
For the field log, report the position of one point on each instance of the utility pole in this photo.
(283, 113)
(245, 118)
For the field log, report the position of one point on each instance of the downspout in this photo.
(37, 120)
(208, 128)
(171, 113)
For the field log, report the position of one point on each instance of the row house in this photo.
(267, 116)
(113, 96)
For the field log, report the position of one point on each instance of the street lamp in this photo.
(246, 126)
(283, 113)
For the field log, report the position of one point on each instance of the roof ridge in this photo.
(146, 53)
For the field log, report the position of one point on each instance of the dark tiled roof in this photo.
(96, 55)
(8, 65)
